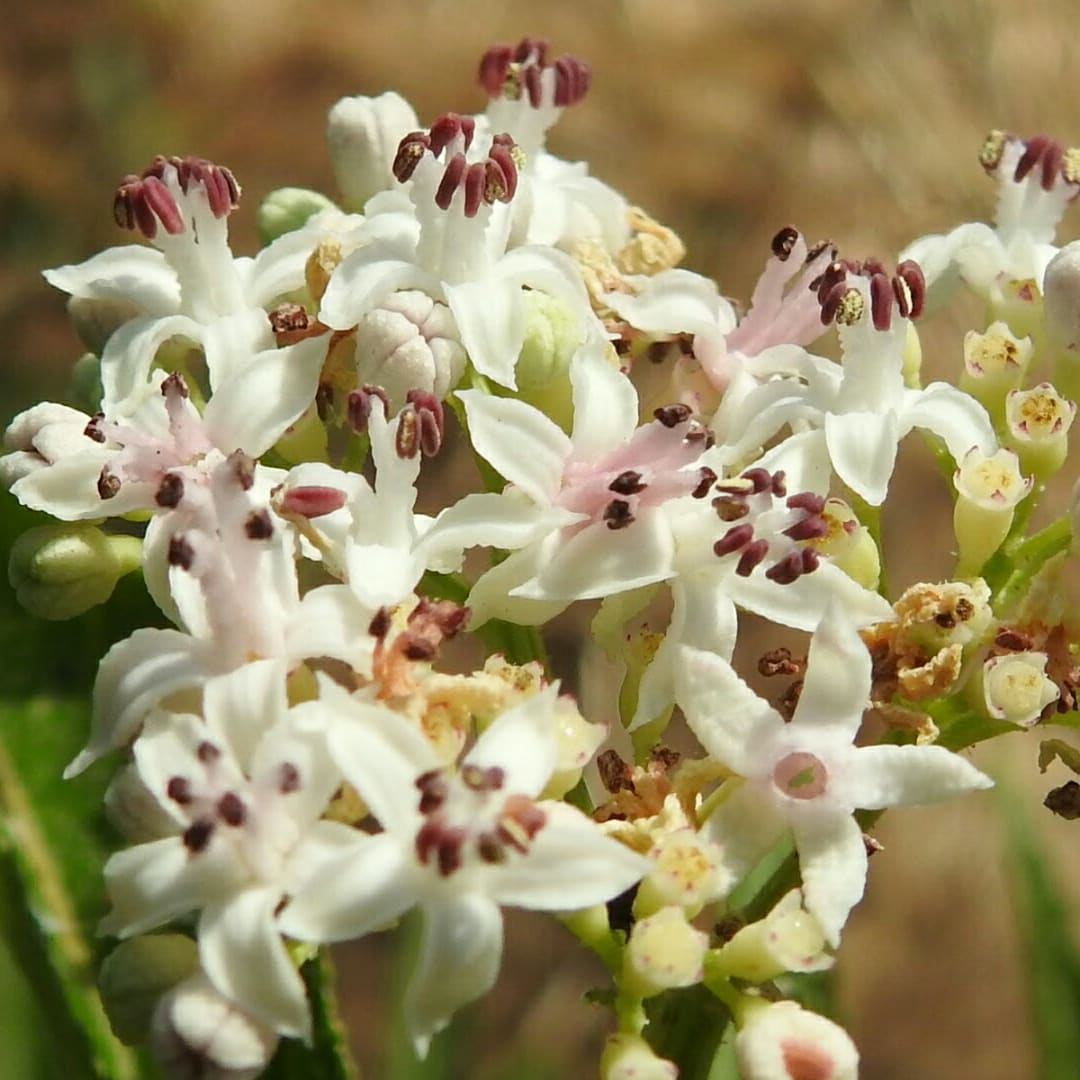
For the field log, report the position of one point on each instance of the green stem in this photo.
(1027, 560)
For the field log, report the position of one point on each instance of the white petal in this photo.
(745, 826)
(491, 319)
(242, 705)
(570, 865)
(459, 960)
(605, 404)
(133, 272)
(492, 595)
(832, 863)
(904, 775)
(331, 621)
(675, 301)
(957, 417)
(244, 957)
(518, 441)
(365, 278)
(68, 488)
(862, 446)
(522, 742)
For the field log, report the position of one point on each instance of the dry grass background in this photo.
(854, 119)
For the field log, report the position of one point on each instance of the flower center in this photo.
(800, 775)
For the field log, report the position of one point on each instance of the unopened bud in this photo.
(135, 976)
(576, 740)
(363, 134)
(688, 872)
(60, 571)
(787, 939)
(200, 1035)
(994, 363)
(1039, 420)
(630, 1057)
(133, 809)
(664, 952)
(988, 490)
(782, 1041)
(1016, 687)
(287, 209)
(849, 544)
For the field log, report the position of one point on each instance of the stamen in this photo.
(257, 525)
(379, 626)
(181, 553)
(518, 72)
(308, 500)
(784, 241)
(145, 201)
(421, 425)
(627, 483)
(288, 778)
(243, 469)
(359, 406)
(617, 514)
(197, 836)
(179, 790)
(753, 555)
(108, 483)
(231, 809)
(170, 491)
(93, 428)
(672, 415)
(207, 752)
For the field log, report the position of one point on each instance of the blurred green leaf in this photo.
(1051, 960)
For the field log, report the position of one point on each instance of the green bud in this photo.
(304, 440)
(60, 571)
(137, 974)
(84, 387)
(287, 209)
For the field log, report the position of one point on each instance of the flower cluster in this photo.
(297, 760)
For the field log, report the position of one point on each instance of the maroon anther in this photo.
(181, 553)
(1047, 154)
(672, 415)
(288, 778)
(706, 479)
(447, 128)
(93, 428)
(808, 501)
(445, 843)
(627, 483)
(108, 483)
(179, 790)
(433, 790)
(258, 526)
(784, 241)
(910, 273)
(518, 72)
(760, 480)
(358, 408)
(144, 201)
(310, 500)
(738, 536)
(753, 555)
(207, 752)
(455, 171)
(409, 152)
(174, 385)
(787, 570)
(881, 301)
(196, 836)
(170, 491)
(830, 305)
(231, 809)
(617, 514)
(807, 528)
(421, 425)
(478, 778)
(380, 623)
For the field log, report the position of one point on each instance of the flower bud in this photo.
(988, 491)
(96, 318)
(688, 871)
(200, 1035)
(849, 544)
(787, 939)
(84, 386)
(410, 343)
(363, 134)
(1039, 420)
(782, 1041)
(630, 1057)
(136, 974)
(133, 808)
(287, 209)
(60, 571)
(1016, 687)
(1061, 307)
(576, 740)
(664, 952)
(40, 436)
(994, 364)
(304, 439)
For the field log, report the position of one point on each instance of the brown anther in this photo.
(174, 384)
(881, 301)
(730, 507)
(380, 623)
(614, 772)
(243, 469)
(181, 553)
(258, 526)
(288, 778)
(490, 848)
(207, 752)
(1010, 639)
(1064, 801)
(93, 428)
(170, 491)
(433, 789)
(752, 556)
(808, 501)
(910, 273)
(737, 537)
(627, 483)
(196, 836)
(289, 319)
(231, 809)
(179, 790)
(416, 648)
(108, 483)
(672, 415)
(789, 700)
(410, 150)
(706, 480)
(778, 662)
(784, 241)
(617, 514)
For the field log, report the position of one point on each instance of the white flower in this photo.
(806, 775)
(783, 1041)
(457, 844)
(245, 786)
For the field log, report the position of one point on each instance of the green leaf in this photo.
(1051, 962)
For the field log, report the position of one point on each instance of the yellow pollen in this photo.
(992, 149)
(1070, 165)
(851, 308)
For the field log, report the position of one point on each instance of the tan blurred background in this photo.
(858, 120)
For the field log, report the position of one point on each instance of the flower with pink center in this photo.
(584, 514)
(783, 1041)
(458, 843)
(453, 246)
(805, 775)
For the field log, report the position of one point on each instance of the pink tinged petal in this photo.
(134, 273)
(154, 883)
(569, 865)
(704, 617)
(244, 957)
(519, 442)
(881, 776)
(863, 446)
(521, 742)
(254, 406)
(675, 301)
(459, 961)
(727, 717)
(745, 827)
(362, 281)
(364, 888)
(241, 706)
(492, 597)
(598, 561)
(134, 675)
(950, 413)
(836, 688)
(971, 249)
(832, 864)
(491, 318)
(128, 357)
(605, 405)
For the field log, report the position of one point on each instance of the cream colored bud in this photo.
(630, 1057)
(664, 951)
(1061, 297)
(287, 209)
(994, 363)
(988, 491)
(849, 544)
(787, 939)
(576, 740)
(688, 872)
(135, 976)
(60, 571)
(1016, 687)
(782, 1041)
(1039, 420)
(200, 1035)
(362, 135)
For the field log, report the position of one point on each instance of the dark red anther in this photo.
(310, 500)
(617, 514)
(784, 241)
(808, 501)
(207, 752)
(451, 180)
(572, 78)
(531, 84)
(910, 273)
(706, 479)
(179, 790)
(779, 483)
(881, 300)
(494, 65)
(479, 778)
(753, 555)
(258, 526)
(197, 836)
(231, 809)
(475, 186)
(222, 190)
(760, 480)
(170, 491)
(1051, 164)
(627, 483)
(288, 778)
(143, 203)
(672, 415)
(380, 623)
(811, 559)
(360, 403)
(807, 528)
(738, 536)
(433, 789)
(108, 483)
(1034, 149)
(174, 385)
(447, 128)
(830, 305)
(786, 570)
(93, 428)
(421, 426)
(501, 174)
(181, 553)
(409, 152)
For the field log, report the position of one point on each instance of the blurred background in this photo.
(856, 120)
